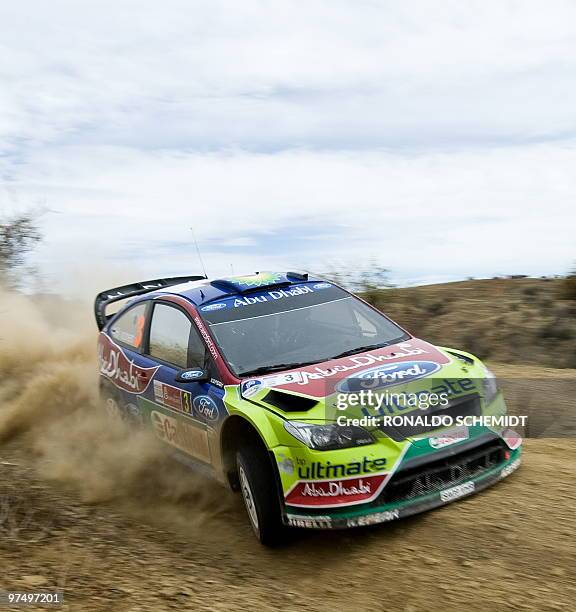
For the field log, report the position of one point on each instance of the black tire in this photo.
(258, 489)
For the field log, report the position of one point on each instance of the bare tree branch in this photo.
(19, 235)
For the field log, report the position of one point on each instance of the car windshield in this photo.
(301, 324)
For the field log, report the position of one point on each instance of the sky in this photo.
(437, 139)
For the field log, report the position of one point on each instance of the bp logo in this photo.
(258, 280)
(387, 375)
(205, 408)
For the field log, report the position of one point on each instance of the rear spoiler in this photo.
(104, 298)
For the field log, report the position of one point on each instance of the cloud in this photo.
(437, 136)
(272, 75)
(464, 213)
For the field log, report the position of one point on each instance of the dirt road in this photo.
(509, 548)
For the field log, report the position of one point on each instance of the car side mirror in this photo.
(192, 375)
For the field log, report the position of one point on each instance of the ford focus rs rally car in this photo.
(303, 397)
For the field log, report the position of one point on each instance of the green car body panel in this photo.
(296, 463)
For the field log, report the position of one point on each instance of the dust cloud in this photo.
(49, 408)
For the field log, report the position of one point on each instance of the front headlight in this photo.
(490, 385)
(328, 437)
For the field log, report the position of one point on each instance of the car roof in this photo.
(206, 290)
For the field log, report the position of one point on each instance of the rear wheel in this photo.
(113, 410)
(258, 488)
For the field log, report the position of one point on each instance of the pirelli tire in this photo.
(258, 490)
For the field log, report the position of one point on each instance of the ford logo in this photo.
(322, 286)
(205, 407)
(210, 307)
(191, 374)
(387, 375)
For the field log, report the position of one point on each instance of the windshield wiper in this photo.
(362, 349)
(276, 367)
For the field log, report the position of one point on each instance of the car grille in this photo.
(434, 476)
(466, 406)
(425, 475)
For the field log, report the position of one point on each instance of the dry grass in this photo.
(528, 321)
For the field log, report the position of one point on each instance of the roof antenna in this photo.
(198, 252)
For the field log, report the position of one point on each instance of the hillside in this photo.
(518, 321)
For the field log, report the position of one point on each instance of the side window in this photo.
(173, 338)
(129, 327)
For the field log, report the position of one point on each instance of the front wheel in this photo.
(258, 489)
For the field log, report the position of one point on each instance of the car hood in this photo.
(410, 360)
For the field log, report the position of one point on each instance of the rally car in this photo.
(251, 378)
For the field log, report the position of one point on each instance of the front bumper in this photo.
(376, 512)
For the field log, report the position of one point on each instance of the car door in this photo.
(183, 415)
(125, 373)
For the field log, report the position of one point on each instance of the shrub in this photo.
(556, 330)
(530, 291)
(569, 287)
(475, 341)
(571, 360)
